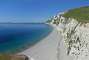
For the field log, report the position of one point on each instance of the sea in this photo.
(16, 37)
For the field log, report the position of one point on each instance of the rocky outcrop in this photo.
(14, 57)
(75, 36)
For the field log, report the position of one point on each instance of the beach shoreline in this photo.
(46, 49)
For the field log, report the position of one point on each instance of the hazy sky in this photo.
(35, 10)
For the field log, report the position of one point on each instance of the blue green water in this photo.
(17, 37)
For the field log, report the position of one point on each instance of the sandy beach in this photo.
(46, 49)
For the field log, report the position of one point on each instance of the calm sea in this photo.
(18, 37)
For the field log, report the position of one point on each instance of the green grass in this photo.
(81, 14)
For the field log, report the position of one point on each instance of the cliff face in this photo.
(75, 36)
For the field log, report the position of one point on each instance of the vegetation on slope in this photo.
(81, 14)
(48, 21)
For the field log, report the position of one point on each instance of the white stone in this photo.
(80, 32)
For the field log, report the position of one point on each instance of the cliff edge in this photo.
(74, 27)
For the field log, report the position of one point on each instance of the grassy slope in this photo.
(81, 14)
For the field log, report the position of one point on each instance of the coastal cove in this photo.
(15, 38)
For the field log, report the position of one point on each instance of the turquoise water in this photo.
(18, 37)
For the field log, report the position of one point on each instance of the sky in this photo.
(35, 10)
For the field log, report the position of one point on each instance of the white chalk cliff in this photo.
(75, 36)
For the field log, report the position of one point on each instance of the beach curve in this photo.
(46, 49)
